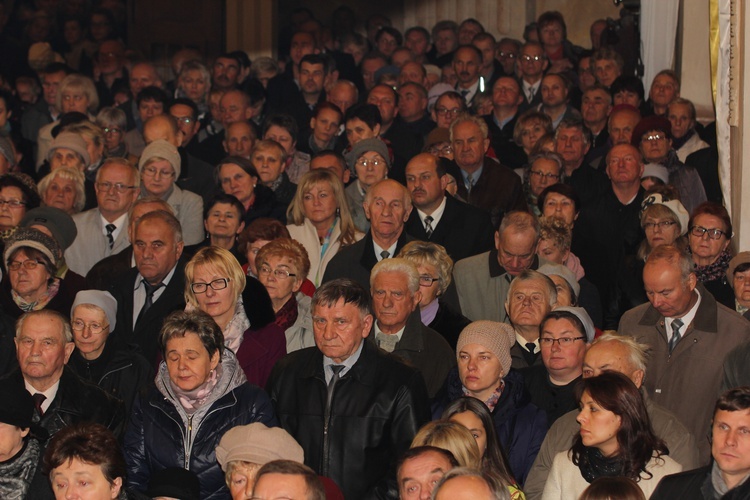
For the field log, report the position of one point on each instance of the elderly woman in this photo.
(484, 372)
(244, 449)
(87, 451)
(68, 149)
(710, 235)
(223, 222)
(215, 284)
(194, 82)
(114, 123)
(63, 188)
(615, 439)
(319, 218)
(284, 129)
(530, 127)
(435, 274)
(201, 392)
(560, 201)
(543, 170)
(738, 277)
(160, 166)
(370, 160)
(30, 283)
(76, 93)
(282, 268)
(99, 357)
(270, 160)
(238, 177)
(18, 194)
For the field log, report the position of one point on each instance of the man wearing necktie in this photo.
(689, 335)
(353, 408)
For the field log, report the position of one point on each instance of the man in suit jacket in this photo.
(532, 63)
(154, 288)
(462, 229)
(102, 231)
(387, 206)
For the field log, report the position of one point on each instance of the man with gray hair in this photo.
(353, 408)
(482, 281)
(44, 343)
(531, 296)
(689, 335)
(387, 206)
(572, 142)
(398, 329)
(620, 353)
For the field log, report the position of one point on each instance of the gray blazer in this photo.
(91, 245)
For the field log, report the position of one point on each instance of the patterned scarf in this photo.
(234, 332)
(41, 302)
(288, 313)
(593, 464)
(192, 401)
(716, 270)
(494, 398)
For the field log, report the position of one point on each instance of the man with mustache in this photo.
(467, 62)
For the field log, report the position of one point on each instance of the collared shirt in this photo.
(475, 176)
(471, 90)
(436, 215)
(501, 124)
(139, 293)
(522, 342)
(119, 225)
(348, 363)
(398, 334)
(686, 319)
(378, 250)
(528, 87)
(49, 393)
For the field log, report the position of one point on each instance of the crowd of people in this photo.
(428, 264)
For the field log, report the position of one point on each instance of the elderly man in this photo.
(395, 288)
(462, 229)
(142, 75)
(685, 328)
(101, 230)
(625, 355)
(420, 468)
(287, 479)
(225, 72)
(482, 281)
(565, 335)
(506, 98)
(531, 296)
(44, 343)
(595, 107)
(608, 230)
(352, 407)
(412, 108)
(727, 476)
(621, 122)
(484, 182)
(572, 142)
(154, 288)
(343, 94)
(387, 206)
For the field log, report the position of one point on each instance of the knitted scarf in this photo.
(593, 464)
(716, 270)
(192, 401)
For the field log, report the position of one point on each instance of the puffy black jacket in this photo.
(519, 424)
(162, 435)
(376, 410)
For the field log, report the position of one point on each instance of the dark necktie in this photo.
(110, 229)
(464, 93)
(336, 369)
(38, 400)
(385, 254)
(469, 182)
(150, 291)
(529, 354)
(676, 325)
(428, 225)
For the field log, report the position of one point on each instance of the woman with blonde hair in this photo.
(320, 219)
(64, 188)
(453, 437)
(216, 284)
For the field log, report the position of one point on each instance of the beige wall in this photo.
(694, 57)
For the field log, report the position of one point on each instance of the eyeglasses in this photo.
(531, 58)
(445, 111)
(27, 264)
(186, 120)
(280, 274)
(714, 234)
(152, 172)
(12, 203)
(509, 55)
(653, 137)
(542, 175)
(94, 328)
(650, 226)
(119, 187)
(563, 342)
(364, 162)
(427, 280)
(218, 284)
(112, 130)
(446, 150)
